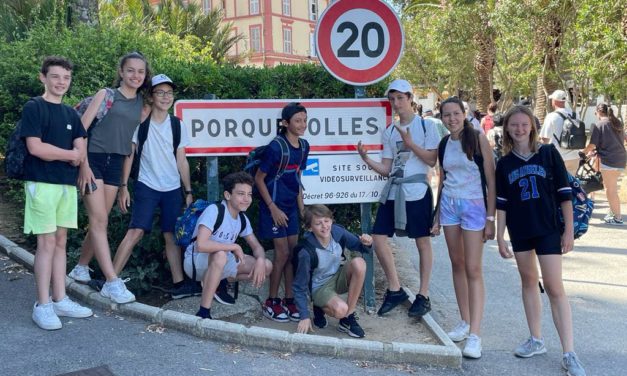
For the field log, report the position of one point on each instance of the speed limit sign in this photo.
(359, 42)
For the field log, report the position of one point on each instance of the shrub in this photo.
(95, 52)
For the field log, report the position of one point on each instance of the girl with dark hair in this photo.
(527, 188)
(607, 142)
(466, 197)
(109, 142)
(281, 206)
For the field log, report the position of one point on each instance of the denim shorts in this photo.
(146, 200)
(550, 244)
(468, 213)
(608, 168)
(107, 167)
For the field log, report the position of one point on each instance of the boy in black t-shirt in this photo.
(55, 139)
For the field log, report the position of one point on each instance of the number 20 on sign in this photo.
(359, 42)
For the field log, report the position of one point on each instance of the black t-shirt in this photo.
(525, 191)
(609, 144)
(63, 126)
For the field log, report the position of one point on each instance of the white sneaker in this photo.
(116, 291)
(473, 347)
(45, 318)
(68, 308)
(80, 273)
(460, 332)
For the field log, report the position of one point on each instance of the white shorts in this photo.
(201, 260)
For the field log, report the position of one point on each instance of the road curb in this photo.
(447, 354)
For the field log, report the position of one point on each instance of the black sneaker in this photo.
(349, 325)
(96, 284)
(205, 315)
(319, 320)
(420, 307)
(391, 300)
(186, 289)
(222, 293)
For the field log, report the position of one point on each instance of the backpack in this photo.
(573, 134)
(186, 223)
(142, 135)
(498, 145)
(305, 245)
(582, 204)
(16, 150)
(256, 155)
(105, 106)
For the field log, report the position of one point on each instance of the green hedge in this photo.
(95, 52)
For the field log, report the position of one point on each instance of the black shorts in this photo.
(107, 167)
(419, 218)
(550, 244)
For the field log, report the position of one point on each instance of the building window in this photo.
(312, 45)
(287, 40)
(254, 6)
(313, 10)
(287, 7)
(224, 7)
(255, 38)
(206, 6)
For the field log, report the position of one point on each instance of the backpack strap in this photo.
(242, 220)
(285, 159)
(142, 135)
(175, 124)
(45, 116)
(216, 225)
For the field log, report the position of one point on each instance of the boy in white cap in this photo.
(552, 129)
(409, 150)
(159, 143)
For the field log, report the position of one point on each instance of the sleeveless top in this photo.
(463, 179)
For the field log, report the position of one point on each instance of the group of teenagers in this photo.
(477, 200)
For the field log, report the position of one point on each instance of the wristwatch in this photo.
(490, 218)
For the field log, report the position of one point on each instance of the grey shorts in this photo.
(201, 260)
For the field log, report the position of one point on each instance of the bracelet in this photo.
(188, 192)
(122, 185)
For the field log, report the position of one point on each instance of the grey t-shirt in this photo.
(113, 134)
(609, 144)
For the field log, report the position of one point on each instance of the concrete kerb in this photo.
(447, 355)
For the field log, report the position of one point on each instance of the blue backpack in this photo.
(582, 204)
(186, 223)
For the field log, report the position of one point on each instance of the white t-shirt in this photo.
(552, 129)
(405, 162)
(158, 164)
(227, 233)
(476, 123)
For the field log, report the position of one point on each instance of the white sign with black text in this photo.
(341, 179)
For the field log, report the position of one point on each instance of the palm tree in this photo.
(18, 16)
(85, 11)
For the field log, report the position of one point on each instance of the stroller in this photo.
(590, 177)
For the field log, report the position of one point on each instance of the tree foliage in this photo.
(539, 45)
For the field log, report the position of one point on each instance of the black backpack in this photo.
(573, 134)
(17, 151)
(306, 246)
(142, 135)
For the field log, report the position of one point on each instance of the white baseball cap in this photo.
(400, 85)
(162, 79)
(559, 95)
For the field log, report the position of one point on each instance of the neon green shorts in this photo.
(49, 206)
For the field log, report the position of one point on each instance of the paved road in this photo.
(595, 280)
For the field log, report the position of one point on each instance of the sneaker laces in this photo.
(461, 327)
(570, 360)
